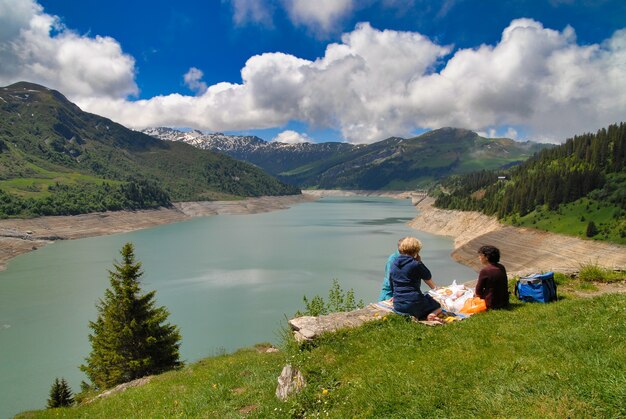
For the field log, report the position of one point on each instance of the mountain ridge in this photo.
(393, 163)
(46, 140)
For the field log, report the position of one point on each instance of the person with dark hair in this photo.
(406, 274)
(492, 285)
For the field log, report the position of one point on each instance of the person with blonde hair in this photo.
(407, 273)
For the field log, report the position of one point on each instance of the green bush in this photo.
(338, 300)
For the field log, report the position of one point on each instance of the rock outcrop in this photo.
(307, 328)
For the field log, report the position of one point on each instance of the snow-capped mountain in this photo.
(274, 157)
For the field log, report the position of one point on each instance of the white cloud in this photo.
(292, 137)
(257, 11)
(193, 80)
(319, 15)
(376, 84)
(79, 66)
(494, 133)
(371, 85)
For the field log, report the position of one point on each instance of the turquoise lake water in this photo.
(228, 282)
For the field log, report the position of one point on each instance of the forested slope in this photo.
(566, 188)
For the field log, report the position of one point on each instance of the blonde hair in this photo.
(410, 246)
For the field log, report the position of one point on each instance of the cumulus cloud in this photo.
(193, 80)
(34, 46)
(375, 84)
(371, 85)
(292, 137)
(319, 15)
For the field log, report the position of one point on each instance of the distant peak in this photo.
(25, 85)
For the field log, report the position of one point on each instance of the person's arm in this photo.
(480, 285)
(430, 283)
(424, 272)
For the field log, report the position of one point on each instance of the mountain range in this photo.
(45, 139)
(394, 163)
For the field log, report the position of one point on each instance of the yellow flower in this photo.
(324, 391)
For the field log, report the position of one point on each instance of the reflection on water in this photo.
(385, 221)
(228, 282)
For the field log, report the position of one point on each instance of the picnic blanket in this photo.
(454, 299)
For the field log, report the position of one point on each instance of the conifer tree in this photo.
(60, 394)
(130, 339)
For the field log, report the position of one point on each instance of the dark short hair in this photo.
(491, 253)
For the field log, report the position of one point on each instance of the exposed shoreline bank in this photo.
(523, 250)
(19, 236)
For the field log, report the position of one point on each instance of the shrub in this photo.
(592, 230)
(338, 300)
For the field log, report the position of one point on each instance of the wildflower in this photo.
(324, 391)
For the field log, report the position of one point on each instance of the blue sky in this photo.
(343, 70)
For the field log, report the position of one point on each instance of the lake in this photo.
(228, 282)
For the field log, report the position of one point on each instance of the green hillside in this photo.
(563, 189)
(47, 141)
(564, 359)
(419, 162)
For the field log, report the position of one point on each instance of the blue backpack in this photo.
(536, 288)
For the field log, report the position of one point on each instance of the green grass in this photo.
(564, 359)
(572, 219)
(37, 187)
(475, 165)
(596, 273)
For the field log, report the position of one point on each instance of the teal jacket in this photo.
(385, 292)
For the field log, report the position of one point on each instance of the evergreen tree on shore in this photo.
(130, 339)
(60, 394)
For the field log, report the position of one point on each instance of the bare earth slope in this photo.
(523, 250)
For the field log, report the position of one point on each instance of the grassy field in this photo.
(37, 187)
(565, 359)
(572, 219)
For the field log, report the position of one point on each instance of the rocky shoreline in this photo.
(523, 250)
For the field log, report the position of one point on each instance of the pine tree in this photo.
(130, 339)
(60, 394)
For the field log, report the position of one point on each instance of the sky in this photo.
(357, 71)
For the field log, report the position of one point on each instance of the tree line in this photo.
(582, 165)
(85, 198)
